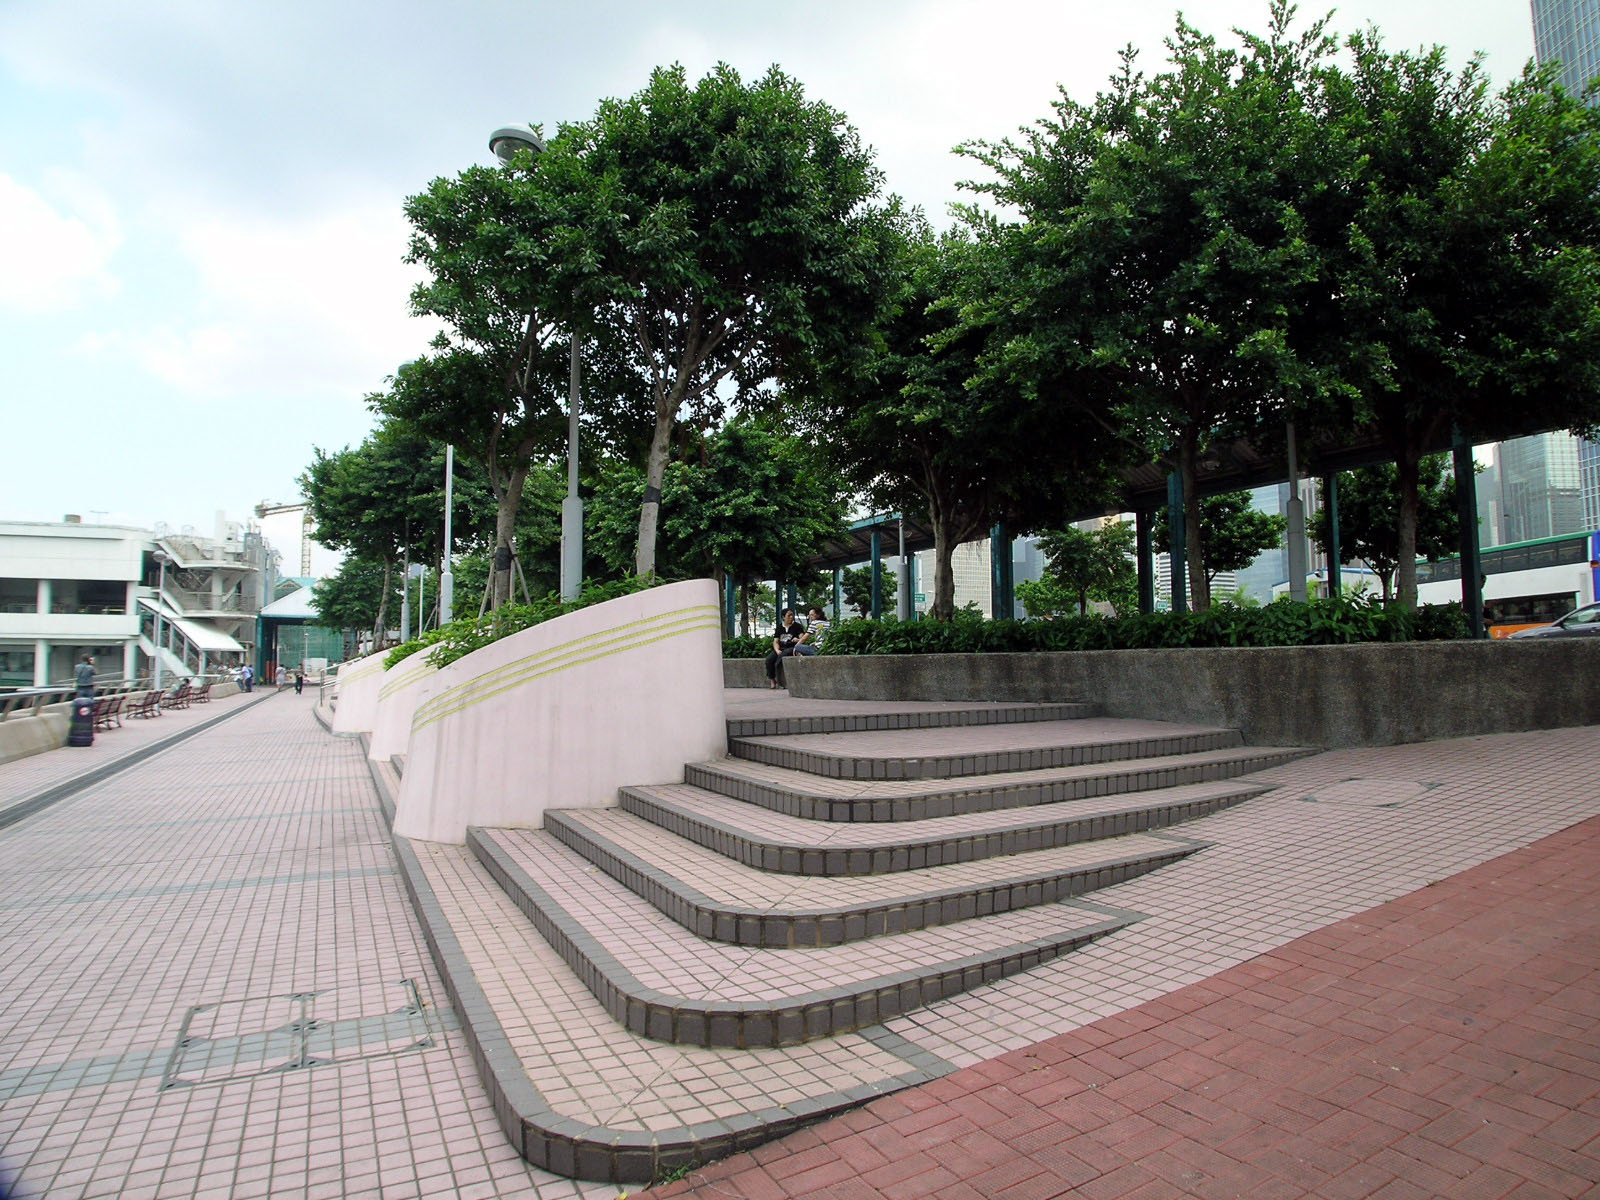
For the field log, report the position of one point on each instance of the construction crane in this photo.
(267, 509)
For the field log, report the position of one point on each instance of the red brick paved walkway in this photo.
(1444, 1044)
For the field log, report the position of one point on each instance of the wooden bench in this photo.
(147, 705)
(179, 696)
(202, 694)
(106, 710)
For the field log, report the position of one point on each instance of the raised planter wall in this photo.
(562, 714)
(1367, 695)
(356, 686)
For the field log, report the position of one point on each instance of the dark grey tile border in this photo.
(25, 806)
(1009, 714)
(595, 1152)
(746, 1025)
(797, 928)
(1058, 827)
(957, 800)
(946, 766)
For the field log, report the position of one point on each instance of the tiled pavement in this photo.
(234, 870)
(26, 779)
(1445, 1044)
(250, 863)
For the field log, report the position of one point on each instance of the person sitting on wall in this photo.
(784, 641)
(811, 641)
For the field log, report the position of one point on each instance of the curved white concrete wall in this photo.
(398, 693)
(356, 686)
(565, 713)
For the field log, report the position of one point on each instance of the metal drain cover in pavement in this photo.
(242, 1039)
(1370, 793)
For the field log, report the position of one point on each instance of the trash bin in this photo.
(82, 731)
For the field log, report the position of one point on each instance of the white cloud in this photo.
(51, 256)
(312, 307)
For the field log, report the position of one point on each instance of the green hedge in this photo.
(466, 634)
(1281, 623)
(746, 647)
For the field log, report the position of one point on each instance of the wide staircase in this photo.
(710, 964)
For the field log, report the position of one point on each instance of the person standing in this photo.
(299, 681)
(282, 677)
(246, 676)
(85, 676)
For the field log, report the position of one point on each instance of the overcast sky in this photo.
(200, 226)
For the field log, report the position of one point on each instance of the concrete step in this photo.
(959, 751)
(856, 716)
(818, 798)
(659, 980)
(775, 841)
(723, 900)
(579, 1094)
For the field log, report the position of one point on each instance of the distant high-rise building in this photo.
(1539, 492)
(1568, 31)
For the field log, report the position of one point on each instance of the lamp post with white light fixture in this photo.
(505, 143)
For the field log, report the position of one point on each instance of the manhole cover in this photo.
(1369, 793)
(292, 1031)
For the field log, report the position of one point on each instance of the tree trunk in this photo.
(1406, 568)
(505, 530)
(744, 606)
(944, 580)
(1199, 585)
(379, 627)
(655, 472)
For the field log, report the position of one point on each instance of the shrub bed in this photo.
(1340, 621)
(466, 634)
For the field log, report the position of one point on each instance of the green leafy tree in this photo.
(1092, 565)
(1232, 533)
(356, 596)
(1369, 517)
(1158, 275)
(916, 433)
(855, 587)
(382, 501)
(754, 504)
(730, 232)
(497, 381)
(1467, 266)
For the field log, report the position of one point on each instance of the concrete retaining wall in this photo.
(25, 736)
(1368, 695)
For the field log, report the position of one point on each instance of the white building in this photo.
(70, 589)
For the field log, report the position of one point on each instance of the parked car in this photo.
(1581, 622)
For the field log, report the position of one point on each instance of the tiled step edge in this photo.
(949, 766)
(955, 801)
(743, 727)
(595, 1152)
(779, 929)
(800, 1018)
(1054, 828)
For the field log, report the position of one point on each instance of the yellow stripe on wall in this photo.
(406, 678)
(590, 648)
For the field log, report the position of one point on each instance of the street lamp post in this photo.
(162, 559)
(505, 143)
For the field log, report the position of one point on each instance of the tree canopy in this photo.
(728, 234)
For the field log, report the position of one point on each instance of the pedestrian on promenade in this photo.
(283, 676)
(246, 677)
(85, 675)
(299, 681)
